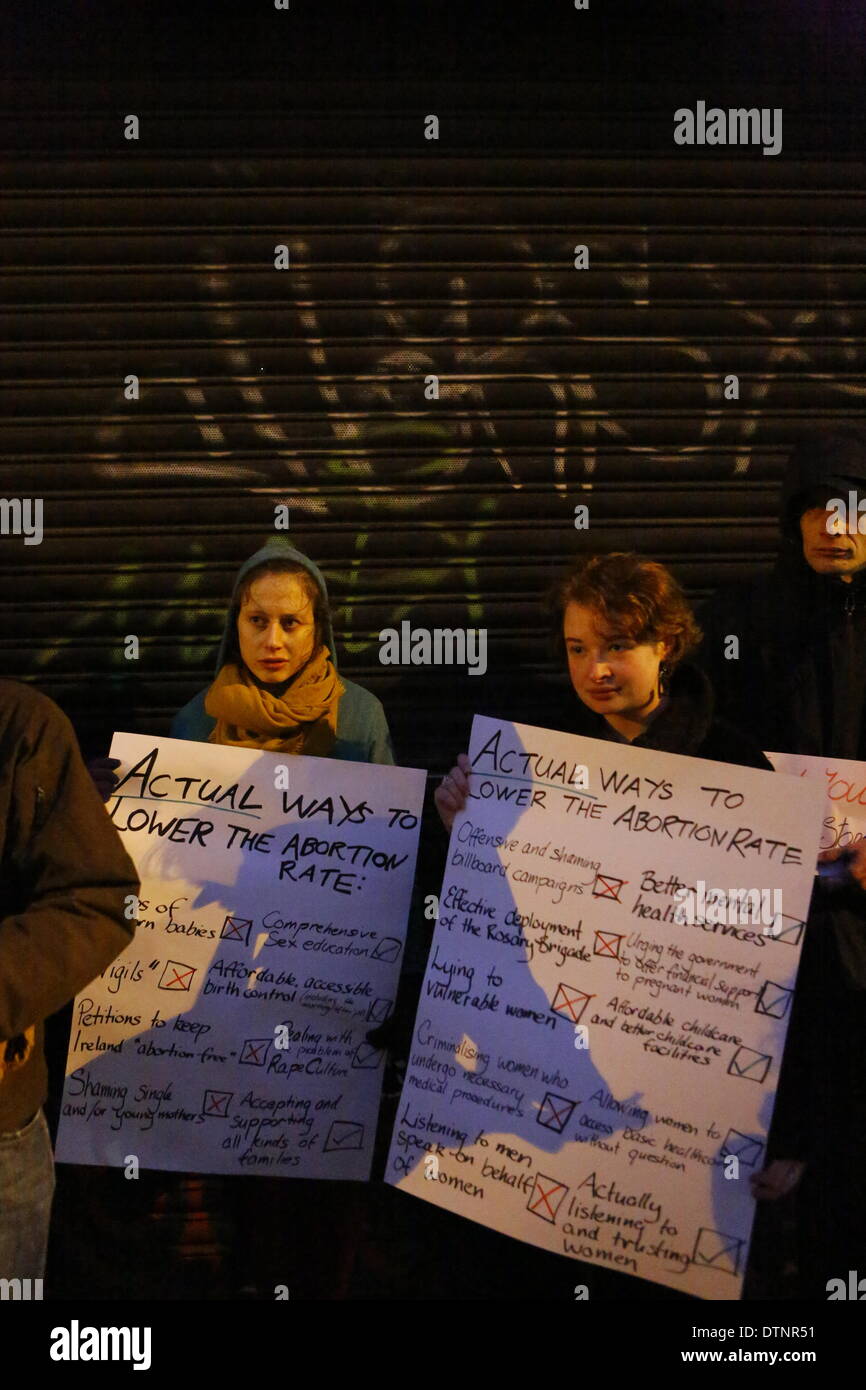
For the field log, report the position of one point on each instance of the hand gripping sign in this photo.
(564, 910)
(230, 1036)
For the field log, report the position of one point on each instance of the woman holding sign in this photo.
(624, 628)
(276, 688)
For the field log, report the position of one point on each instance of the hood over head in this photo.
(276, 548)
(829, 463)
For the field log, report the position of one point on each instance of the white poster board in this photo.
(587, 1073)
(229, 1037)
(844, 783)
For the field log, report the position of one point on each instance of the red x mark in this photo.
(607, 944)
(217, 1102)
(540, 1201)
(606, 886)
(176, 975)
(570, 1002)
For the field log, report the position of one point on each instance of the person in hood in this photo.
(795, 675)
(625, 630)
(787, 656)
(276, 686)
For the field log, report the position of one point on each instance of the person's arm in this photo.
(66, 873)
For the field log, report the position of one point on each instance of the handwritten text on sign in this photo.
(600, 1032)
(230, 1035)
(844, 784)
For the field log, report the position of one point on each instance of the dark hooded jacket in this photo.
(362, 729)
(799, 684)
(799, 680)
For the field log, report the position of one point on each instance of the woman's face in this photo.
(276, 628)
(612, 674)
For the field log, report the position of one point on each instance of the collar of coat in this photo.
(680, 726)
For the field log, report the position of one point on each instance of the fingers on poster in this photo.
(608, 886)
(570, 1002)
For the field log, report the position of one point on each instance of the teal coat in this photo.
(362, 734)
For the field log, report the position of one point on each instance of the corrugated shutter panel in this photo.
(557, 386)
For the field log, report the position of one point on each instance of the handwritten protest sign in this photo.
(600, 1033)
(229, 1037)
(844, 783)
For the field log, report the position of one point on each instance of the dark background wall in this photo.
(408, 256)
(557, 387)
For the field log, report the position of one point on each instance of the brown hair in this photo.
(321, 611)
(637, 598)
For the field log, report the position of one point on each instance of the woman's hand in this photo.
(450, 796)
(776, 1180)
(105, 779)
(855, 860)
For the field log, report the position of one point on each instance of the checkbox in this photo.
(555, 1112)
(216, 1104)
(750, 1065)
(608, 943)
(744, 1147)
(236, 929)
(387, 949)
(379, 1010)
(546, 1197)
(773, 1000)
(176, 975)
(718, 1250)
(254, 1052)
(344, 1136)
(570, 1002)
(367, 1056)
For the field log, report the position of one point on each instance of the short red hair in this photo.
(633, 597)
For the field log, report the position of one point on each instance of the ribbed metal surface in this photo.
(306, 385)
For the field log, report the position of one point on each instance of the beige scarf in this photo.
(302, 720)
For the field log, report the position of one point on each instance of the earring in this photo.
(664, 672)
